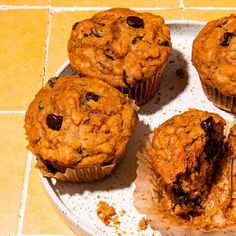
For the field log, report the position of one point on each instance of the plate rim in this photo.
(70, 218)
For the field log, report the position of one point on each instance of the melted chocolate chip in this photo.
(125, 90)
(207, 125)
(92, 95)
(86, 35)
(52, 82)
(211, 148)
(124, 77)
(40, 106)
(180, 195)
(165, 43)
(54, 122)
(54, 167)
(227, 37)
(135, 22)
(136, 39)
(75, 25)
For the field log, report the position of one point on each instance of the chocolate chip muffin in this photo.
(185, 153)
(79, 128)
(124, 48)
(214, 56)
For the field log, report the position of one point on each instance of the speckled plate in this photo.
(78, 202)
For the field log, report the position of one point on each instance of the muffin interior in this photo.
(191, 188)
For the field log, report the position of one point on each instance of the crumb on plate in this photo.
(142, 225)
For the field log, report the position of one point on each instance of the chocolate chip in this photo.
(124, 77)
(40, 106)
(135, 22)
(207, 125)
(227, 37)
(97, 32)
(92, 95)
(125, 90)
(136, 39)
(54, 167)
(75, 25)
(165, 43)
(52, 82)
(211, 149)
(87, 35)
(54, 122)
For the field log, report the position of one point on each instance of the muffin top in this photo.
(77, 121)
(214, 54)
(119, 46)
(178, 142)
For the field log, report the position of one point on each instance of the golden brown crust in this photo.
(180, 137)
(97, 123)
(214, 54)
(106, 47)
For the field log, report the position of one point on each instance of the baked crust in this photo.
(214, 54)
(186, 150)
(107, 47)
(97, 123)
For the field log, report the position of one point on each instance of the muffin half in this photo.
(79, 128)
(124, 48)
(185, 152)
(214, 56)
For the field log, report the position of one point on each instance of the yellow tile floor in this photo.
(33, 41)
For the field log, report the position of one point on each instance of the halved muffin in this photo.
(185, 153)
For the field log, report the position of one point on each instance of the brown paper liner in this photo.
(79, 174)
(151, 199)
(144, 90)
(227, 103)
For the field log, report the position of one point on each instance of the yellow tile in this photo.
(108, 3)
(61, 28)
(23, 2)
(215, 3)
(22, 44)
(41, 216)
(12, 166)
(204, 15)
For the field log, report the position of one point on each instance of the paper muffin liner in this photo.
(144, 90)
(151, 199)
(227, 103)
(79, 174)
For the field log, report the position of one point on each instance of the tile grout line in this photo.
(50, 15)
(78, 8)
(20, 112)
(182, 9)
(24, 194)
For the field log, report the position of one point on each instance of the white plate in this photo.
(78, 202)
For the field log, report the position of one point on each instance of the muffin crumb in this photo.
(107, 214)
(143, 224)
(123, 212)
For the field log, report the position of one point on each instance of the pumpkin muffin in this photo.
(185, 175)
(79, 128)
(214, 56)
(185, 152)
(124, 48)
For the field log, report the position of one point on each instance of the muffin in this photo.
(79, 128)
(186, 175)
(185, 152)
(126, 49)
(214, 56)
